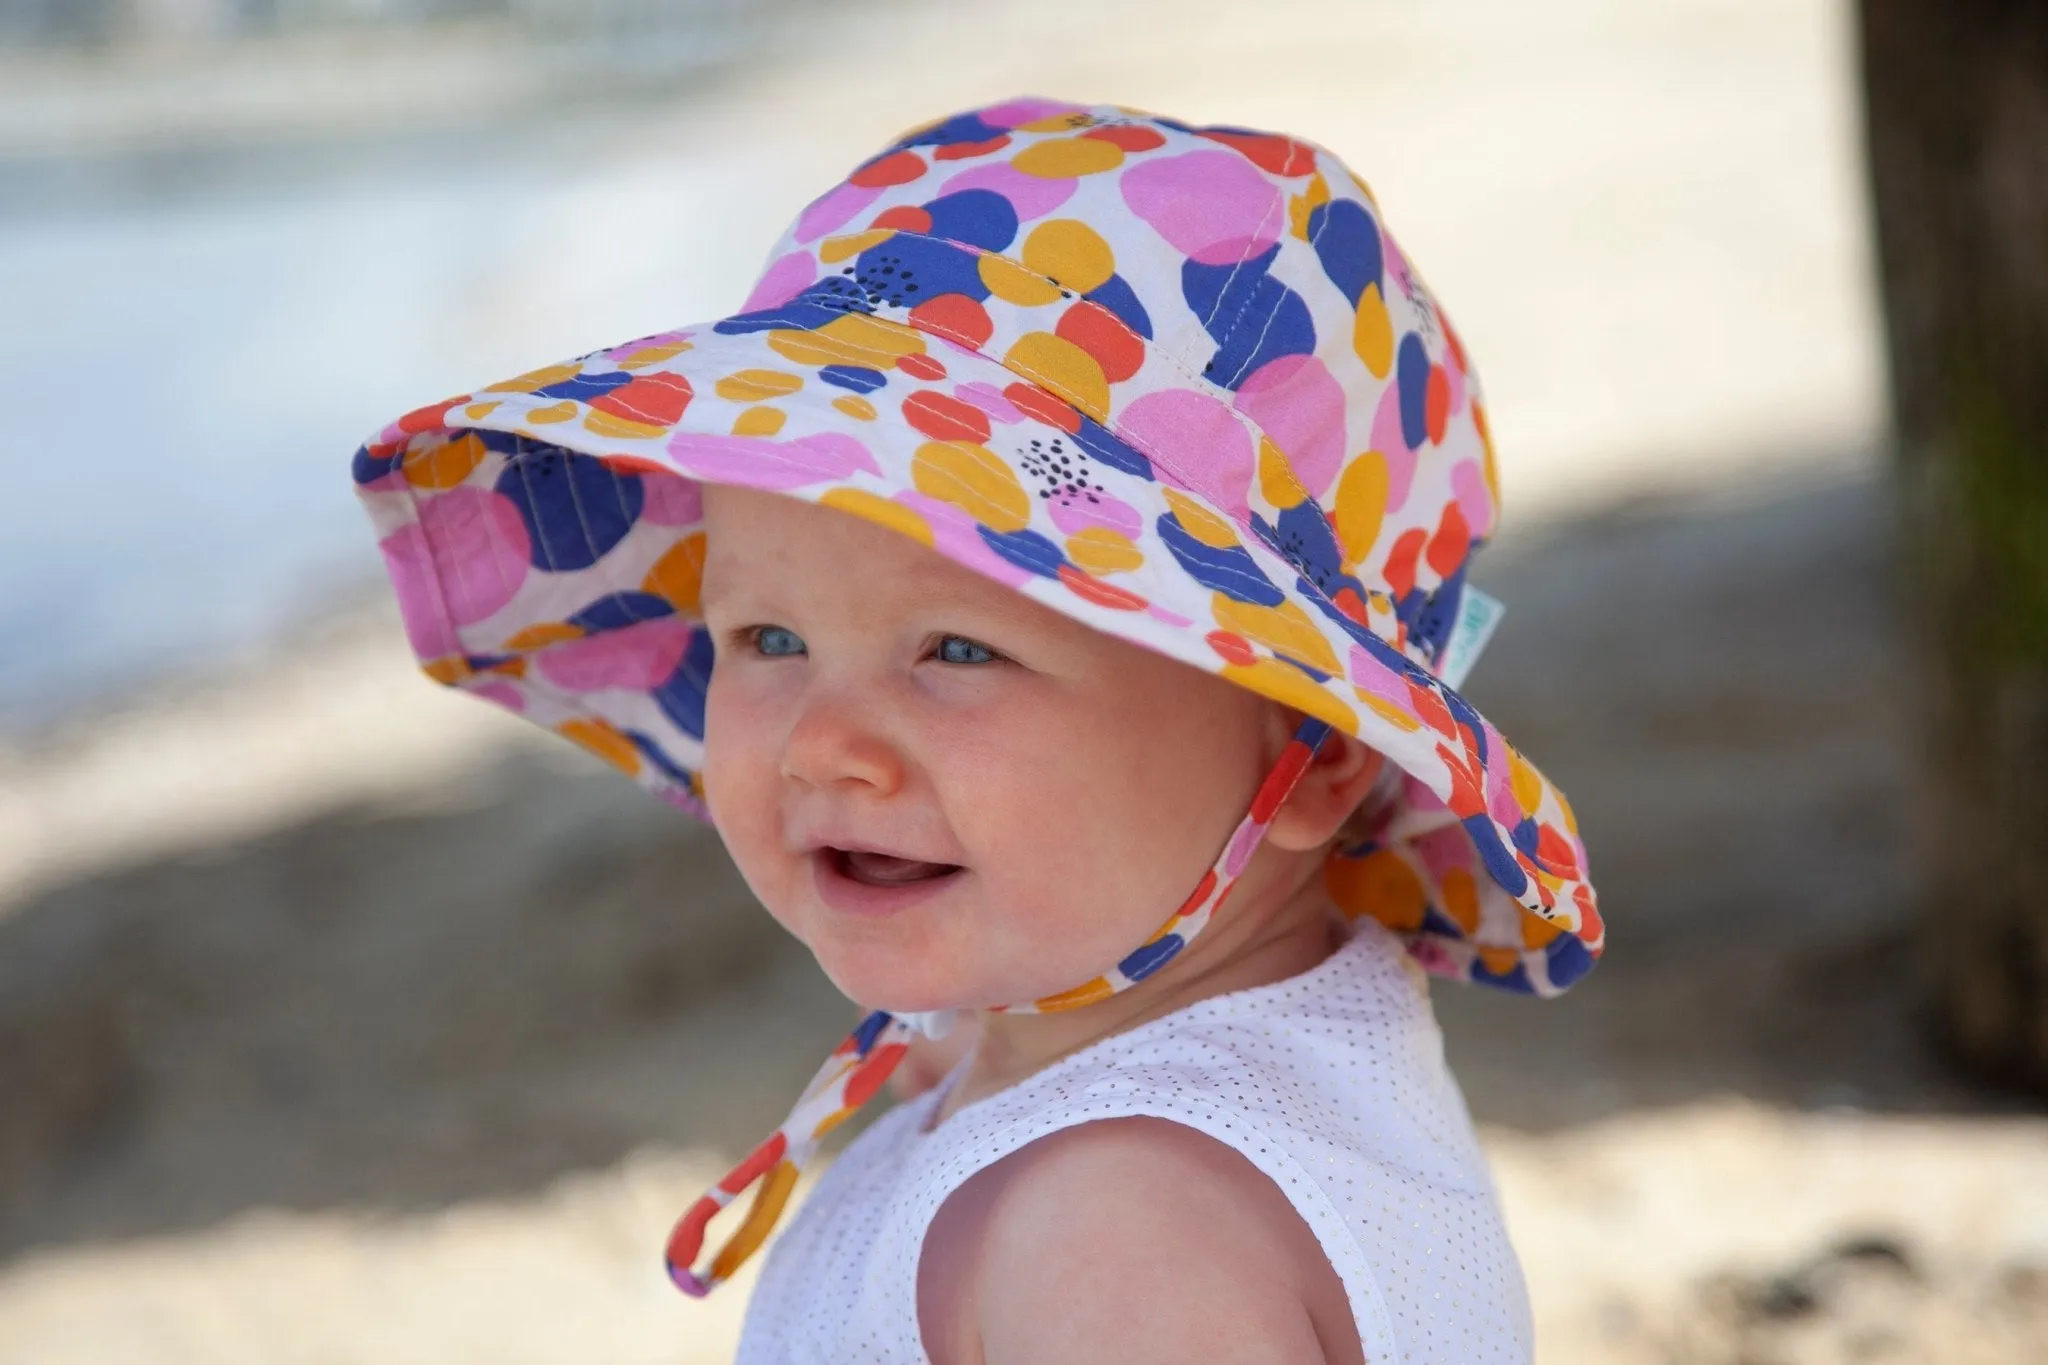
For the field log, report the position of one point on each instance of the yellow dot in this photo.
(1071, 252)
(1198, 521)
(1526, 782)
(1372, 334)
(538, 379)
(1538, 931)
(854, 406)
(1381, 885)
(1285, 629)
(894, 515)
(1012, 283)
(1387, 711)
(542, 635)
(1276, 477)
(1100, 551)
(678, 575)
(1060, 158)
(1058, 123)
(854, 339)
(974, 479)
(833, 250)
(1461, 899)
(1088, 994)
(758, 421)
(476, 412)
(1500, 961)
(553, 412)
(603, 740)
(1053, 362)
(446, 465)
(751, 386)
(1290, 686)
(1361, 505)
(654, 355)
(611, 424)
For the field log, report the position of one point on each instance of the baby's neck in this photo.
(1256, 946)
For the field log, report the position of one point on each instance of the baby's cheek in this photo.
(740, 790)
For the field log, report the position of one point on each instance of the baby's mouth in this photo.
(884, 869)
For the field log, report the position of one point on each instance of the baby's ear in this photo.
(1338, 778)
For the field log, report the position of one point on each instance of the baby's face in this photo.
(956, 797)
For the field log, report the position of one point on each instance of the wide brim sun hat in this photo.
(1176, 382)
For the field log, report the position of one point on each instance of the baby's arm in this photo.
(1124, 1242)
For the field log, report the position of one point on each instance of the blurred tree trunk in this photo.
(1956, 102)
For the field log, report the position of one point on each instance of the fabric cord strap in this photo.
(858, 1067)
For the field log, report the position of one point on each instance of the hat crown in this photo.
(1225, 299)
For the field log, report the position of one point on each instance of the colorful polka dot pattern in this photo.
(1177, 382)
(857, 1068)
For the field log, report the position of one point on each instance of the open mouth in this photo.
(884, 869)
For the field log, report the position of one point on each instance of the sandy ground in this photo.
(343, 1020)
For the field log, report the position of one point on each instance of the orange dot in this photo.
(1103, 335)
(1436, 407)
(1269, 152)
(1033, 401)
(954, 316)
(903, 218)
(1130, 137)
(897, 168)
(1101, 593)
(867, 1078)
(1233, 648)
(943, 418)
(963, 151)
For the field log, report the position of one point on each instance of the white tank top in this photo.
(1331, 1082)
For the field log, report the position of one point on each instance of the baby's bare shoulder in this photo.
(1128, 1240)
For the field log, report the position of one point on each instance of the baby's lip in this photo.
(877, 865)
(835, 844)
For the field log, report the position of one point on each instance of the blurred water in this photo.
(185, 374)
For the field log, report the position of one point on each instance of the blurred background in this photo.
(345, 1020)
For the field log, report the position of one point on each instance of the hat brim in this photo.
(544, 536)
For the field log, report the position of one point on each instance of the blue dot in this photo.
(859, 378)
(1026, 549)
(1151, 957)
(576, 507)
(621, 609)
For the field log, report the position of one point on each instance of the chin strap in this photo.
(857, 1068)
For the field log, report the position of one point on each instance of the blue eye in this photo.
(777, 642)
(958, 649)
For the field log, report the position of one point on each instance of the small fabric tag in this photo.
(1478, 614)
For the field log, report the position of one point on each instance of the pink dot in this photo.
(1030, 196)
(778, 466)
(1025, 109)
(1370, 675)
(1076, 512)
(1296, 402)
(782, 281)
(990, 400)
(640, 656)
(475, 552)
(1388, 441)
(957, 536)
(834, 209)
(671, 500)
(1212, 206)
(1475, 500)
(1197, 438)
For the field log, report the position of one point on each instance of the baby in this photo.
(1078, 513)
